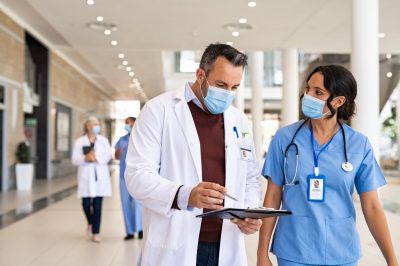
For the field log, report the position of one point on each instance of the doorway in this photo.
(36, 115)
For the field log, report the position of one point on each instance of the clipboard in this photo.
(254, 213)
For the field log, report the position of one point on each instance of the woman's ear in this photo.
(338, 101)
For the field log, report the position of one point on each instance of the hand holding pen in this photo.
(208, 195)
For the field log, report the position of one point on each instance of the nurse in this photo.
(131, 209)
(317, 185)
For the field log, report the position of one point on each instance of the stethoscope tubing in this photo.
(292, 143)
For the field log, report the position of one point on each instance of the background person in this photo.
(91, 154)
(132, 210)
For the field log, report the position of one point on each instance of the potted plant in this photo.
(24, 166)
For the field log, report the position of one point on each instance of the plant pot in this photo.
(24, 173)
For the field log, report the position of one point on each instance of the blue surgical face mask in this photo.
(128, 128)
(313, 107)
(217, 100)
(96, 130)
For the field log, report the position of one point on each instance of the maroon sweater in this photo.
(210, 129)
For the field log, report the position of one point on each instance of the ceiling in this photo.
(146, 28)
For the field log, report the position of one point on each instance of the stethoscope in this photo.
(346, 166)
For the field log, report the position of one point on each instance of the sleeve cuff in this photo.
(183, 198)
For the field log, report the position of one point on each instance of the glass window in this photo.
(186, 61)
(63, 131)
(272, 70)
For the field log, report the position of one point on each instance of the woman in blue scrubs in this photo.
(317, 187)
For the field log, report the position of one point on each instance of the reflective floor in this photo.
(56, 234)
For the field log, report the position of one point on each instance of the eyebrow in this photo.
(316, 87)
(225, 84)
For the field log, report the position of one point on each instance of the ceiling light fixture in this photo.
(114, 43)
(99, 18)
(252, 4)
(128, 69)
(121, 55)
(102, 26)
(90, 2)
(243, 20)
(131, 73)
(107, 32)
(229, 43)
(381, 35)
(125, 63)
(389, 74)
(235, 34)
(388, 56)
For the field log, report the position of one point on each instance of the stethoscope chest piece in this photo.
(347, 166)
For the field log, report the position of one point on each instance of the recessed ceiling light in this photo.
(128, 68)
(125, 63)
(131, 73)
(235, 34)
(121, 55)
(388, 56)
(90, 2)
(114, 42)
(243, 20)
(99, 18)
(107, 32)
(381, 35)
(389, 74)
(229, 43)
(252, 4)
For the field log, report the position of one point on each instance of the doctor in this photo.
(317, 186)
(91, 154)
(184, 155)
(131, 209)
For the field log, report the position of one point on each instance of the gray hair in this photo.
(213, 51)
(87, 122)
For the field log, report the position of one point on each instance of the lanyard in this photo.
(316, 168)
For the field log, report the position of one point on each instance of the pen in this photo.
(237, 134)
(229, 196)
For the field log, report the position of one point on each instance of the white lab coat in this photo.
(87, 184)
(164, 153)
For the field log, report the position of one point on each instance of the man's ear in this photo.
(200, 75)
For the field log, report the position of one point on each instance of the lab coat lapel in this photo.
(231, 149)
(186, 122)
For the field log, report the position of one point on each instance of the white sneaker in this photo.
(96, 238)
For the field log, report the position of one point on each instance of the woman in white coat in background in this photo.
(91, 154)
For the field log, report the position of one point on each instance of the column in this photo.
(239, 97)
(398, 121)
(257, 108)
(290, 87)
(365, 68)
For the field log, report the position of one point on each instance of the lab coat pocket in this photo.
(167, 232)
(342, 241)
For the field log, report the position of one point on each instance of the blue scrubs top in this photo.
(325, 232)
(122, 143)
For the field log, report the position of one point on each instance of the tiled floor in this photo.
(56, 236)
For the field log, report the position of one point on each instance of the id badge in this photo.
(246, 154)
(316, 188)
(245, 150)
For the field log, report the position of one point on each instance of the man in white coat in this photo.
(187, 150)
